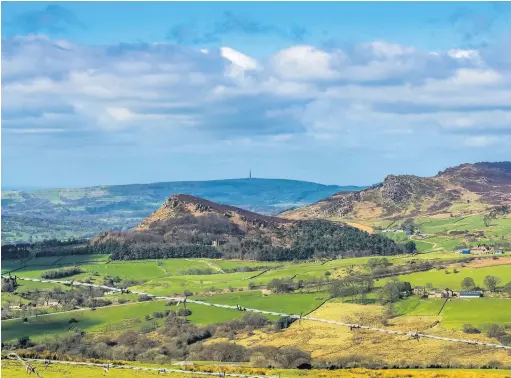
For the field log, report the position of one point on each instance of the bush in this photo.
(198, 271)
(280, 285)
(60, 273)
(494, 330)
(144, 298)
(184, 312)
(469, 328)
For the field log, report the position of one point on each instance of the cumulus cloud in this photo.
(167, 95)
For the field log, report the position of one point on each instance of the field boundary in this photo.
(442, 308)
(59, 259)
(414, 335)
(257, 275)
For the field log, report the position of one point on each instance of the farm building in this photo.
(420, 291)
(481, 250)
(445, 293)
(471, 294)
(499, 252)
(464, 251)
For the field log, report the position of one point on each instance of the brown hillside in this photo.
(180, 205)
(462, 190)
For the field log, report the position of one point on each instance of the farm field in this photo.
(440, 279)
(109, 319)
(286, 303)
(480, 312)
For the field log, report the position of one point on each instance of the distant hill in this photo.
(188, 226)
(459, 191)
(84, 212)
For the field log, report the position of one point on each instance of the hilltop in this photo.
(467, 189)
(84, 212)
(188, 226)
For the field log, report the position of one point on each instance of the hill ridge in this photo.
(463, 189)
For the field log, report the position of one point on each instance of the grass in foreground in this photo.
(15, 370)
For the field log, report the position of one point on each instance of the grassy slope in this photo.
(329, 342)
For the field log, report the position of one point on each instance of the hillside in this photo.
(467, 189)
(84, 212)
(188, 226)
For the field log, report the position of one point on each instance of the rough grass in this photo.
(15, 370)
(329, 342)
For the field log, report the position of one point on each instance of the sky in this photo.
(97, 93)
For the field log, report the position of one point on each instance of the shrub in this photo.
(60, 273)
(469, 328)
(144, 298)
(494, 330)
(184, 312)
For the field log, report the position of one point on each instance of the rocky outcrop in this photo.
(454, 190)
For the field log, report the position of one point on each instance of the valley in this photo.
(202, 281)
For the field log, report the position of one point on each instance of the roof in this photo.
(471, 293)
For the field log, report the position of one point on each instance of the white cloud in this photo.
(304, 63)
(359, 96)
(480, 141)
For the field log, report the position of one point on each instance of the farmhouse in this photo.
(481, 250)
(217, 242)
(471, 294)
(420, 291)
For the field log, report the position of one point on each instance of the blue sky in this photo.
(345, 93)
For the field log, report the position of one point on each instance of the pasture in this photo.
(286, 303)
(439, 279)
(480, 312)
(109, 319)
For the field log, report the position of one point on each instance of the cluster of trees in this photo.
(190, 236)
(356, 287)
(9, 284)
(176, 339)
(394, 290)
(283, 285)
(490, 282)
(52, 247)
(495, 212)
(494, 331)
(62, 272)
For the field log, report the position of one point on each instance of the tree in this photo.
(507, 287)
(409, 225)
(491, 282)
(494, 330)
(468, 283)
(410, 246)
(391, 291)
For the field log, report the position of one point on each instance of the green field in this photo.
(480, 312)
(418, 307)
(286, 303)
(109, 319)
(439, 279)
